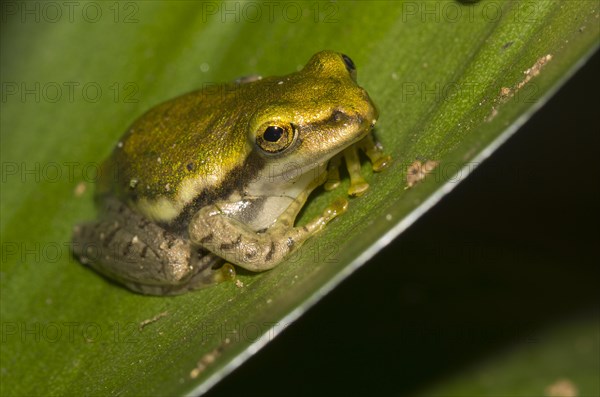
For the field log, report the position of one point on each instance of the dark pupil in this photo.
(349, 63)
(272, 133)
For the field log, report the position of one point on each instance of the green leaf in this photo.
(452, 81)
(563, 355)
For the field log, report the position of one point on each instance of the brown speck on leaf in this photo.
(507, 93)
(197, 371)
(417, 171)
(492, 115)
(534, 70)
(80, 189)
(561, 388)
(205, 361)
(239, 283)
(152, 320)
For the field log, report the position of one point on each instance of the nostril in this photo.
(338, 115)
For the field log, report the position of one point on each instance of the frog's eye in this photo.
(349, 63)
(273, 133)
(350, 67)
(276, 138)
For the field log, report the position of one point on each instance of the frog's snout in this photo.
(362, 118)
(374, 113)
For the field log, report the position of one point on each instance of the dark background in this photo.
(511, 251)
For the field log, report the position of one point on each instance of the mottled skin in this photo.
(221, 173)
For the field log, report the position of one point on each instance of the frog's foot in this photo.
(198, 278)
(237, 243)
(337, 208)
(375, 153)
(206, 277)
(358, 185)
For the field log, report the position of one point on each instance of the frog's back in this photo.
(174, 151)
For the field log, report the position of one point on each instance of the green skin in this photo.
(221, 174)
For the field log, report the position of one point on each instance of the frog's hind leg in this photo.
(144, 256)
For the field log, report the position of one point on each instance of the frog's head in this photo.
(307, 117)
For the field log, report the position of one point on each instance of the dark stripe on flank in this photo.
(235, 180)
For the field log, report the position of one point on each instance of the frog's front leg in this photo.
(239, 244)
(358, 184)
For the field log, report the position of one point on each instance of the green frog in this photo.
(216, 177)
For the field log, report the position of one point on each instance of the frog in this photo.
(215, 178)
